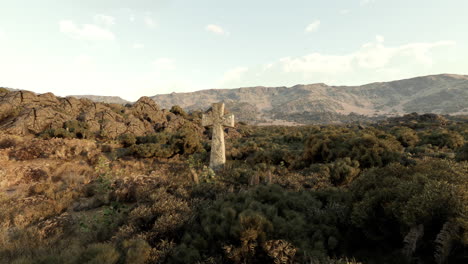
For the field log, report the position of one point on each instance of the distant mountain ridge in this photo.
(103, 99)
(322, 104)
(95, 98)
(441, 94)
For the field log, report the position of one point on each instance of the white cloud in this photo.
(313, 26)
(317, 63)
(233, 75)
(373, 55)
(163, 64)
(420, 51)
(376, 55)
(138, 46)
(104, 19)
(150, 22)
(216, 29)
(85, 32)
(380, 38)
(267, 66)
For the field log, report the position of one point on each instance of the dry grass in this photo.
(65, 193)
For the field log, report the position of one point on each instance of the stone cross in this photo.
(217, 119)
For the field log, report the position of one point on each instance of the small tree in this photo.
(177, 110)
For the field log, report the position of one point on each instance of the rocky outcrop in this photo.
(24, 112)
(148, 112)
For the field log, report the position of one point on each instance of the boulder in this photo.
(146, 109)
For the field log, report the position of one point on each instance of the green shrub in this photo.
(78, 129)
(164, 145)
(375, 151)
(127, 140)
(177, 110)
(100, 253)
(269, 145)
(152, 150)
(343, 171)
(137, 251)
(56, 133)
(443, 138)
(407, 136)
(389, 202)
(370, 148)
(187, 141)
(160, 138)
(462, 153)
(239, 225)
(70, 129)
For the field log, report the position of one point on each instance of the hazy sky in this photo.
(132, 48)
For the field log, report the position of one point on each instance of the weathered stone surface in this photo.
(217, 119)
(47, 99)
(23, 113)
(33, 121)
(147, 109)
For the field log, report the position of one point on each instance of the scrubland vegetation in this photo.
(392, 192)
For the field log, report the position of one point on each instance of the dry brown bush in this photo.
(56, 148)
(54, 226)
(7, 143)
(34, 175)
(27, 152)
(73, 174)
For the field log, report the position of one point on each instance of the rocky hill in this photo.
(25, 113)
(320, 103)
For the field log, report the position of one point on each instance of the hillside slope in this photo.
(103, 99)
(442, 94)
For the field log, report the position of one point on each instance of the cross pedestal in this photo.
(217, 120)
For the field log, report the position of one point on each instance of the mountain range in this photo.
(321, 103)
(103, 99)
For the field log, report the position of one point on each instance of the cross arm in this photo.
(228, 120)
(207, 119)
